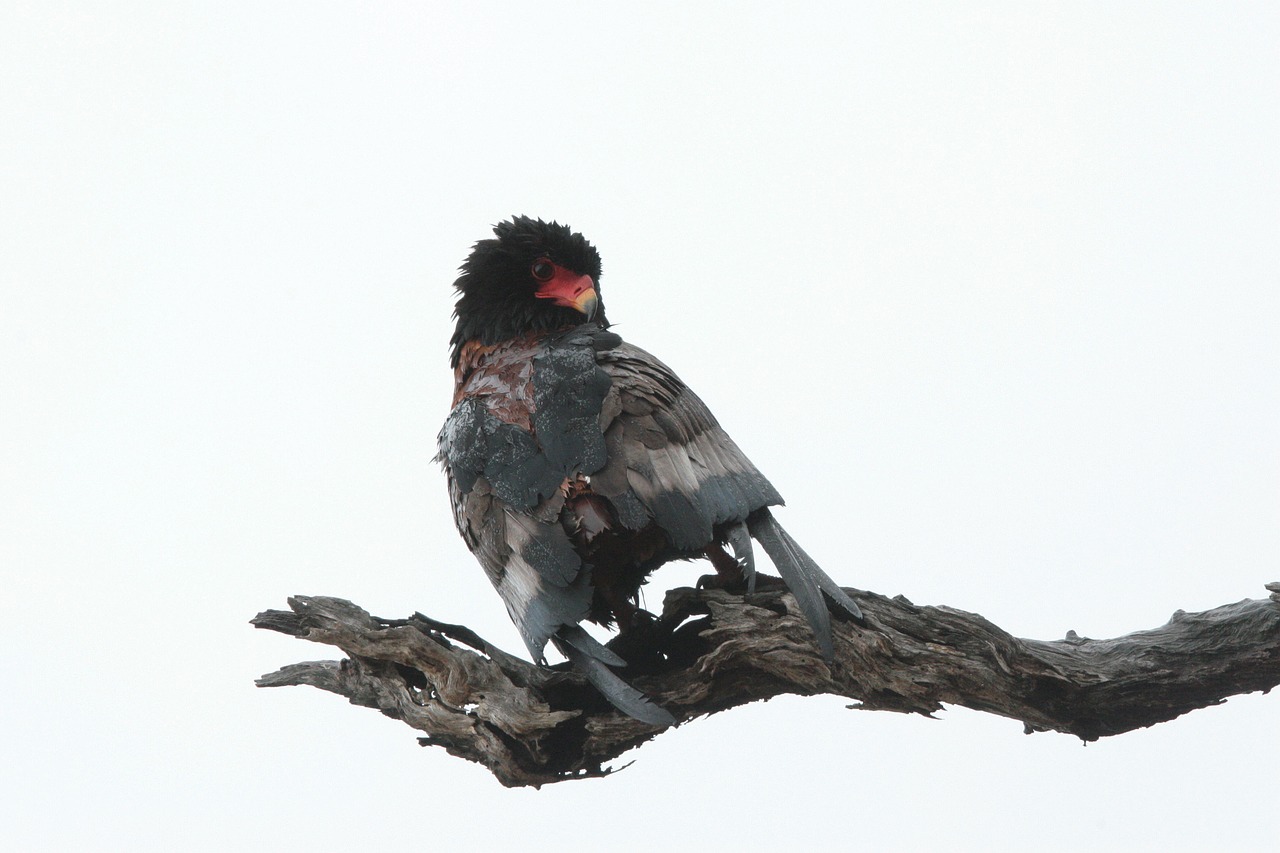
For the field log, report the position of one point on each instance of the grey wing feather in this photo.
(806, 580)
(504, 484)
(530, 562)
(588, 656)
(505, 480)
(668, 455)
(588, 645)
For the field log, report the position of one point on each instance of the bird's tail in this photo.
(803, 577)
(593, 660)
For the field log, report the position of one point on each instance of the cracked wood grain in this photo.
(711, 650)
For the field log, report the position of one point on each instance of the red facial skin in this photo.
(568, 288)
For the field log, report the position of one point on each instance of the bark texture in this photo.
(711, 650)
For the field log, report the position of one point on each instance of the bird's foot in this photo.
(731, 575)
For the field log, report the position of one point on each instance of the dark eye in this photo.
(543, 270)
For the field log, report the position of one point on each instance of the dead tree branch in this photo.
(711, 651)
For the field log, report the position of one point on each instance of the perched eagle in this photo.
(578, 463)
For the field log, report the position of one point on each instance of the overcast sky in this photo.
(990, 292)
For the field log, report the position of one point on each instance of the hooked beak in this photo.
(588, 303)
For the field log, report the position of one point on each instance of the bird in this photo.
(578, 464)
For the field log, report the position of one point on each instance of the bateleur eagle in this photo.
(578, 464)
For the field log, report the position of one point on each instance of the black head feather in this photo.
(496, 289)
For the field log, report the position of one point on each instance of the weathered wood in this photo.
(531, 725)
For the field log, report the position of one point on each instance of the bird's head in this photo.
(534, 277)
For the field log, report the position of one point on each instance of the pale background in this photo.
(990, 292)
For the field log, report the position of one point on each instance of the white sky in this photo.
(991, 293)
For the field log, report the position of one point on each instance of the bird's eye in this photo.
(543, 270)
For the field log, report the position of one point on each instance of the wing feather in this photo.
(680, 465)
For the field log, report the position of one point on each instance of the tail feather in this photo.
(590, 657)
(575, 637)
(803, 577)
